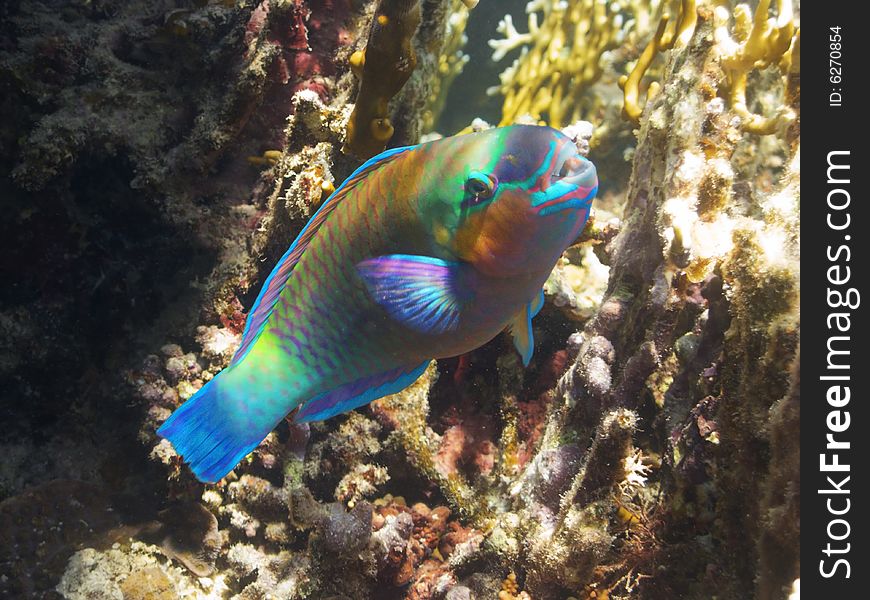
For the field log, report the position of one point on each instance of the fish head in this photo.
(522, 196)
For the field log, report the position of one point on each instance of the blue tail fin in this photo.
(212, 430)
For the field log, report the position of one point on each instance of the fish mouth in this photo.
(571, 184)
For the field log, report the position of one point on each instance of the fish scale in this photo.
(424, 252)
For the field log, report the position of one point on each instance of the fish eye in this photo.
(480, 186)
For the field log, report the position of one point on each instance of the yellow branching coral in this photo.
(756, 41)
(385, 65)
(662, 39)
(561, 55)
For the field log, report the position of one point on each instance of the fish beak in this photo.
(571, 185)
(578, 170)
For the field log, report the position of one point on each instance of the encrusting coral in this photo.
(727, 273)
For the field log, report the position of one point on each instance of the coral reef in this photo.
(129, 127)
(779, 541)
(135, 572)
(577, 283)
(756, 42)
(769, 41)
(722, 288)
(439, 61)
(42, 527)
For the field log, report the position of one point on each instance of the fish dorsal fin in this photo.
(276, 281)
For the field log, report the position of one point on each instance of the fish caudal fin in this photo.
(213, 430)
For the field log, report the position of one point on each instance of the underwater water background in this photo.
(158, 158)
(467, 98)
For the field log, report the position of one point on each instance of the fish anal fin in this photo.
(358, 393)
(537, 304)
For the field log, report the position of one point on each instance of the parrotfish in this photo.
(424, 252)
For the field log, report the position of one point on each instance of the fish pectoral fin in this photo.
(521, 329)
(424, 293)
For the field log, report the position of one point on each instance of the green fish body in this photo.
(424, 252)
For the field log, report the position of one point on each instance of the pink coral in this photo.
(467, 441)
(301, 57)
(233, 316)
(296, 43)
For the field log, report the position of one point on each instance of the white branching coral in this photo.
(636, 471)
(512, 38)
